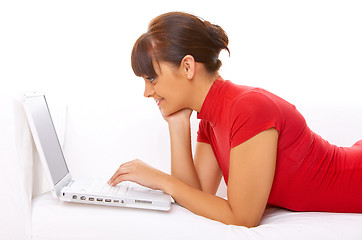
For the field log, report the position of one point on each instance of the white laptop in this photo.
(125, 194)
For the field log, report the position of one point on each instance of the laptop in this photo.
(91, 191)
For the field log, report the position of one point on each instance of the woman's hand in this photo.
(139, 172)
(182, 115)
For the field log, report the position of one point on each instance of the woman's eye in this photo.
(152, 79)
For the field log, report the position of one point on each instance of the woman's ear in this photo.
(188, 64)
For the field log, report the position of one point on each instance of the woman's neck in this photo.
(201, 86)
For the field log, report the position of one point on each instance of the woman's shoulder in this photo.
(251, 98)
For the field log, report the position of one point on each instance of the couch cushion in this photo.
(16, 169)
(53, 219)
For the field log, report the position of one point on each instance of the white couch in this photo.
(96, 140)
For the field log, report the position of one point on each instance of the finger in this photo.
(122, 167)
(122, 178)
(118, 179)
(129, 163)
(118, 173)
(121, 171)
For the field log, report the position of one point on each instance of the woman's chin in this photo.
(167, 112)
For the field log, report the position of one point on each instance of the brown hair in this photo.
(172, 36)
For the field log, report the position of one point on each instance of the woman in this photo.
(259, 142)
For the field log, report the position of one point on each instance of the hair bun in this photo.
(218, 36)
(171, 36)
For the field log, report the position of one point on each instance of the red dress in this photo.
(311, 174)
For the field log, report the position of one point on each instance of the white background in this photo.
(308, 52)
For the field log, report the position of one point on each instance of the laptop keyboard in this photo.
(100, 187)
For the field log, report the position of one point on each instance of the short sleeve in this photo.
(202, 133)
(252, 113)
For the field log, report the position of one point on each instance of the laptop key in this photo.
(106, 188)
(114, 190)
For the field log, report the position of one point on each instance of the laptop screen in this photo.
(44, 126)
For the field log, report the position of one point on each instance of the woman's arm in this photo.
(201, 172)
(182, 164)
(252, 168)
(207, 168)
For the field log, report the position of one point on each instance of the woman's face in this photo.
(168, 88)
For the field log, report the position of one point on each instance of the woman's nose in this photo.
(149, 92)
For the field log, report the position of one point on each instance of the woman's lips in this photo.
(158, 101)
